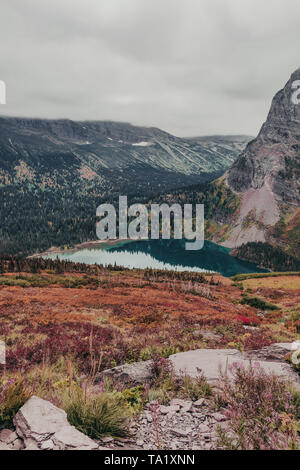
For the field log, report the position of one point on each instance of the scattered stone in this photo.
(31, 445)
(107, 439)
(203, 429)
(4, 446)
(47, 445)
(187, 408)
(70, 438)
(180, 432)
(219, 417)
(209, 362)
(18, 444)
(210, 336)
(274, 352)
(199, 403)
(119, 443)
(38, 419)
(8, 436)
(178, 402)
(169, 409)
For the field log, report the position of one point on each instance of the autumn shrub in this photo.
(293, 319)
(68, 340)
(260, 408)
(168, 385)
(230, 331)
(296, 402)
(134, 396)
(253, 321)
(257, 339)
(162, 368)
(10, 281)
(194, 388)
(97, 415)
(162, 351)
(13, 395)
(258, 303)
(239, 285)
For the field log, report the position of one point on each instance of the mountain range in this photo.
(54, 173)
(105, 150)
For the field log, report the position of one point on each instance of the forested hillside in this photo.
(54, 174)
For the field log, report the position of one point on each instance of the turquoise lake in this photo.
(161, 254)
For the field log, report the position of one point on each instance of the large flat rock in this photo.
(38, 419)
(211, 361)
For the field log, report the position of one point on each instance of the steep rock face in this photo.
(267, 174)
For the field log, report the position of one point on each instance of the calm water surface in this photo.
(162, 254)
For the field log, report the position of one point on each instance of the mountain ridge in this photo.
(105, 144)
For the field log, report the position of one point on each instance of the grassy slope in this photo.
(132, 314)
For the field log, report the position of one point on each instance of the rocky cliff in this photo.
(266, 177)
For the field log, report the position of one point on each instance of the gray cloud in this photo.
(190, 67)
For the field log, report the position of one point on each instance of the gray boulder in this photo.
(136, 373)
(274, 352)
(39, 423)
(211, 361)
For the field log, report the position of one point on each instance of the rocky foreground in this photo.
(180, 424)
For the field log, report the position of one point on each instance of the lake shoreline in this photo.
(156, 254)
(79, 246)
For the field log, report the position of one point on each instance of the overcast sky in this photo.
(190, 67)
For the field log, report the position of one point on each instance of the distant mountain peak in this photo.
(267, 173)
